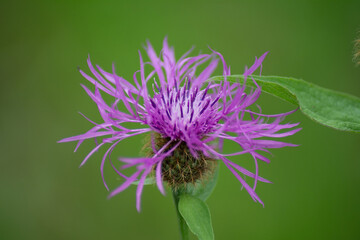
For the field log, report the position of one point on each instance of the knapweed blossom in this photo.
(188, 117)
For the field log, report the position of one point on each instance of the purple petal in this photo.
(91, 153)
(126, 184)
(159, 178)
(140, 187)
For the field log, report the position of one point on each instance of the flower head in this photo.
(188, 116)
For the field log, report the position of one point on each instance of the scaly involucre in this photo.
(183, 107)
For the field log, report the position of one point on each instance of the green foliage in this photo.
(197, 216)
(192, 209)
(330, 108)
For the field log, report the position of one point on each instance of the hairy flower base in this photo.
(181, 167)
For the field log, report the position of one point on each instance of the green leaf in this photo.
(197, 216)
(203, 190)
(330, 108)
(148, 181)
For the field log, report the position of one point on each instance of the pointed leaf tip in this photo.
(197, 216)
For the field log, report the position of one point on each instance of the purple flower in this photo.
(188, 117)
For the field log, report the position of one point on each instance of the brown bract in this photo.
(181, 167)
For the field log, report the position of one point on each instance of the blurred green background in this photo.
(44, 195)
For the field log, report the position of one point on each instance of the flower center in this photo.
(180, 112)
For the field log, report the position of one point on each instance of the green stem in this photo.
(184, 229)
